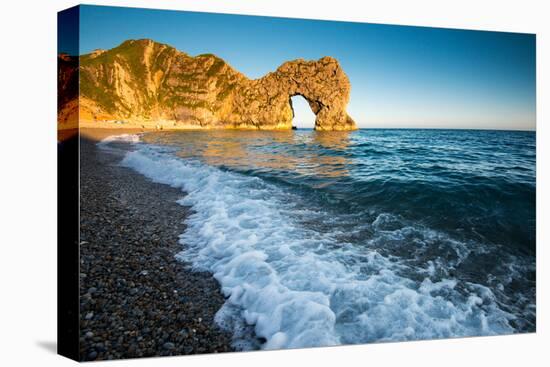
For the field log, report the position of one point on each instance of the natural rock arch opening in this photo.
(302, 114)
(265, 103)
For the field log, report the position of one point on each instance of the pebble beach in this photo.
(136, 299)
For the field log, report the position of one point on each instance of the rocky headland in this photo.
(145, 84)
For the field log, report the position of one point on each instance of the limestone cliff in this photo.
(143, 82)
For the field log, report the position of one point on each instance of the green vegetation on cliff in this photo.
(143, 79)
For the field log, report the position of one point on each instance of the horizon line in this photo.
(429, 128)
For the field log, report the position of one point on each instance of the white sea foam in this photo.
(123, 138)
(299, 287)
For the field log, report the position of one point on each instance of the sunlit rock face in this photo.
(322, 83)
(143, 82)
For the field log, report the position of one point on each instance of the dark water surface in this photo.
(325, 238)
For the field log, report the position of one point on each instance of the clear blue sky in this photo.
(400, 76)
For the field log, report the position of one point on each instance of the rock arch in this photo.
(325, 87)
(265, 102)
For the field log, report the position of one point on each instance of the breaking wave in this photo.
(301, 274)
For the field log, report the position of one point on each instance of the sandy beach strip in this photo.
(136, 299)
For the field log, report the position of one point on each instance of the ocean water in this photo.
(369, 236)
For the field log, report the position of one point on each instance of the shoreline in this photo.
(97, 135)
(162, 125)
(136, 299)
(506, 318)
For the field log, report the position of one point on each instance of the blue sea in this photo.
(327, 238)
